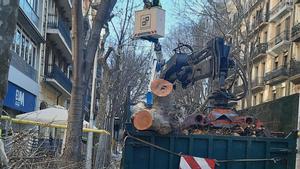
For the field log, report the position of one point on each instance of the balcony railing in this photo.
(296, 32)
(280, 71)
(29, 11)
(261, 48)
(283, 36)
(238, 89)
(263, 18)
(56, 22)
(257, 82)
(250, 4)
(56, 74)
(281, 5)
(294, 71)
(294, 68)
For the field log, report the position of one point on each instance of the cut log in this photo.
(150, 119)
(159, 118)
(142, 120)
(161, 88)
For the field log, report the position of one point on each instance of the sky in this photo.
(170, 17)
(171, 13)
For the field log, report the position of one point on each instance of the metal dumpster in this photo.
(138, 155)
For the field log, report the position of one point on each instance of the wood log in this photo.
(150, 119)
(160, 117)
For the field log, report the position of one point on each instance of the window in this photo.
(267, 7)
(34, 54)
(33, 4)
(254, 100)
(256, 72)
(261, 98)
(263, 68)
(278, 29)
(18, 42)
(30, 54)
(285, 60)
(276, 63)
(265, 36)
(274, 94)
(24, 48)
(287, 23)
(26, 53)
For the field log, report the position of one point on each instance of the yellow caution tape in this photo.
(37, 123)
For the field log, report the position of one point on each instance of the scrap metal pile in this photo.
(224, 123)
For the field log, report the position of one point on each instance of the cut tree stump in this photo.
(150, 119)
(160, 117)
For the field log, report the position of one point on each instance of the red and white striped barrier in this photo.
(190, 162)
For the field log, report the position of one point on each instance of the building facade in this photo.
(40, 73)
(56, 71)
(274, 50)
(23, 85)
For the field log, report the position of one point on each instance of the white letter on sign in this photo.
(19, 98)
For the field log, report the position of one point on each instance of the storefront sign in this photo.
(19, 99)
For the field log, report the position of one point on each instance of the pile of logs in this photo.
(158, 116)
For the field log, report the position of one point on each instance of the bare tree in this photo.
(124, 64)
(230, 18)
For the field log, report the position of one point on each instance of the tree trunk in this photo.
(101, 119)
(8, 22)
(249, 75)
(103, 15)
(72, 151)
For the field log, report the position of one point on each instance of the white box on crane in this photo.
(149, 23)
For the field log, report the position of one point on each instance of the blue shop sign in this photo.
(19, 99)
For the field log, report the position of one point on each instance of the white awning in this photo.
(53, 115)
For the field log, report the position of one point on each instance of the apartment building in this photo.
(56, 72)
(23, 85)
(295, 50)
(274, 50)
(40, 72)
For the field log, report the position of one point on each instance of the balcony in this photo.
(278, 75)
(257, 84)
(296, 33)
(65, 7)
(279, 43)
(260, 51)
(59, 33)
(58, 79)
(20, 64)
(237, 90)
(295, 72)
(251, 4)
(281, 9)
(259, 22)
